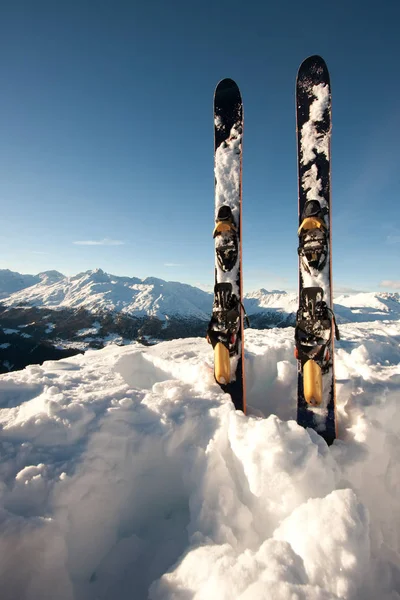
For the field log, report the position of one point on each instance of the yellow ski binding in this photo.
(222, 364)
(312, 383)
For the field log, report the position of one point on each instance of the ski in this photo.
(225, 329)
(315, 321)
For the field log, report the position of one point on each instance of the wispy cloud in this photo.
(104, 242)
(344, 289)
(172, 265)
(390, 283)
(204, 286)
(393, 239)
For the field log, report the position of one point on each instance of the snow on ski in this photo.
(225, 331)
(315, 323)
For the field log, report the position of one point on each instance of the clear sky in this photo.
(106, 135)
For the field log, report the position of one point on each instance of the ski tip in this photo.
(314, 67)
(227, 86)
(226, 83)
(228, 100)
(314, 61)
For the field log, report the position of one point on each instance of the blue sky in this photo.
(106, 136)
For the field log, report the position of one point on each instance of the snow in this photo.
(227, 171)
(10, 282)
(312, 142)
(261, 299)
(127, 473)
(50, 327)
(97, 290)
(368, 306)
(88, 330)
(155, 297)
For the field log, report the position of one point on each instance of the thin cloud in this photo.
(206, 287)
(393, 239)
(390, 283)
(343, 289)
(172, 265)
(104, 242)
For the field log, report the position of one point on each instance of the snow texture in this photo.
(227, 170)
(126, 473)
(312, 142)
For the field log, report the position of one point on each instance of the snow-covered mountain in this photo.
(368, 306)
(276, 299)
(54, 314)
(100, 291)
(349, 308)
(127, 474)
(11, 281)
(270, 309)
(97, 291)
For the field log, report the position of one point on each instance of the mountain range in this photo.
(52, 313)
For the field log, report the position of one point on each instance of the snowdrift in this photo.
(126, 473)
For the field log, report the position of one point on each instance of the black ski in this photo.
(225, 330)
(315, 322)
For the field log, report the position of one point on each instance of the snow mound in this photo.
(127, 473)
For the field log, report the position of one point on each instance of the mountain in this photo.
(271, 309)
(97, 291)
(367, 306)
(51, 316)
(349, 308)
(100, 291)
(12, 282)
(46, 315)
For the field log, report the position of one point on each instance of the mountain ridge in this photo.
(50, 314)
(95, 290)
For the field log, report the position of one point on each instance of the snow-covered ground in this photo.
(127, 474)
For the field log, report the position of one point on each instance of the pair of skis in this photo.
(315, 322)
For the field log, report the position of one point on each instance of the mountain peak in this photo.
(263, 292)
(50, 276)
(153, 281)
